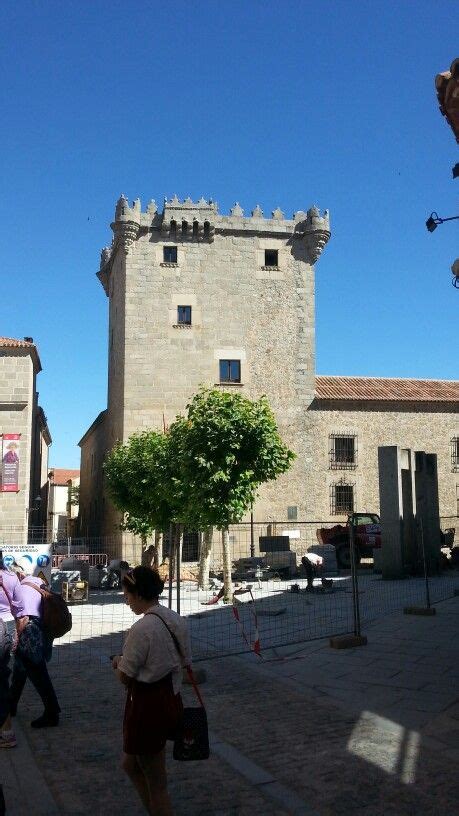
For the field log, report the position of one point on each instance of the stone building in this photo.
(25, 441)
(196, 297)
(63, 487)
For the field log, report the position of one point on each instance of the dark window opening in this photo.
(343, 451)
(292, 513)
(271, 257)
(455, 454)
(195, 229)
(185, 228)
(173, 228)
(206, 229)
(341, 499)
(170, 254)
(230, 371)
(184, 315)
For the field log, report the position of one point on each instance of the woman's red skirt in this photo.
(151, 716)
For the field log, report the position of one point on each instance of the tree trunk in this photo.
(227, 561)
(204, 558)
(158, 548)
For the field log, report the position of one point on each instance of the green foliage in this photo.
(138, 482)
(204, 472)
(223, 450)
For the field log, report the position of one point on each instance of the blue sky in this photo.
(282, 104)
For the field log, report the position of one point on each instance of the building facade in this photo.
(63, 488)
(196, 297)
(25, 441)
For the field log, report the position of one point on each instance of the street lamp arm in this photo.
(434, 220)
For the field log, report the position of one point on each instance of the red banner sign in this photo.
(10, 463)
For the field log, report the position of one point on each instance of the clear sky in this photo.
(277, 103)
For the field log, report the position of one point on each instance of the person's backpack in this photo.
(55, 614)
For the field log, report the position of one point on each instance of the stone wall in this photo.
(241, 309)
(419, 426)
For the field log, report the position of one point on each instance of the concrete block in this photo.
(347, 641)
(427, 611)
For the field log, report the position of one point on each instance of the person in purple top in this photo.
(13, 619)
(33, 652)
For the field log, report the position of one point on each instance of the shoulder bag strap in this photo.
(177, 646)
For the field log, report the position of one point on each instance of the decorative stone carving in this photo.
(315, 231)
(152, 209)
(105, 256)
(278, 214)
(257, 212)
(126, 234)
(237, 210)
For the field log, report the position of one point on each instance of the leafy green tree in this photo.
(138, 480)
(223, 450)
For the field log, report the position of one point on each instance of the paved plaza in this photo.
(308, 730)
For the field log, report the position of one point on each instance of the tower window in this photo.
(170, 254)
(230, 371)
(341, 498)
(271, 257)
(184, 315)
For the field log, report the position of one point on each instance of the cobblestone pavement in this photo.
(370, 731)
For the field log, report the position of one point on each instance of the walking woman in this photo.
(33, 652)
(154, 653)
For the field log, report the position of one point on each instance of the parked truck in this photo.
(367, 531)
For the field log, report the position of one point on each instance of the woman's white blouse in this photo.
(149, 651)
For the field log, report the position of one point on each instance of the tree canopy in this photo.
(223, 449)
(138, 478)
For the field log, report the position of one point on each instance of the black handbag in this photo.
(191, 740)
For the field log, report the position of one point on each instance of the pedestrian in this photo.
(150, 557)
(154, 654)
(33, 651)
(12, 621)
(312, 564)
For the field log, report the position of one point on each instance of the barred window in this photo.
(342, 498)
(342, 451)
(455, 454)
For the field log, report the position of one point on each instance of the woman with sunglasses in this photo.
(155, 651)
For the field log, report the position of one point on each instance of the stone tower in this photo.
(196, 297)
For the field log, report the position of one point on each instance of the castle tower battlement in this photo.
(200, 221)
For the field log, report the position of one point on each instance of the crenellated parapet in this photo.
(200, 221)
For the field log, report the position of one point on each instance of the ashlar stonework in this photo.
(249, 283)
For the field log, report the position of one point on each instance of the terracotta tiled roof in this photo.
(9, 342)
(60, 476)
(392, 389)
